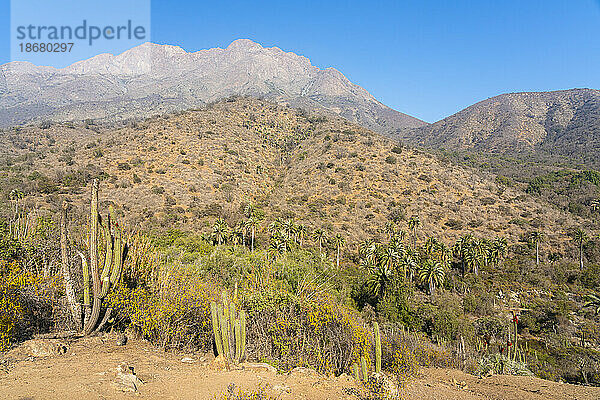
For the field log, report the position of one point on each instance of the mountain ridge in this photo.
(153, 78)
(563, 122)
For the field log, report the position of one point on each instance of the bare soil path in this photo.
(88, 371)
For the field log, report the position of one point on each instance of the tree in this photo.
(339, 241)
(277, 246)
(379, 279)
(275, 226)
(535, 238)
(288, 229)
(251, 224)
(367, 250)
(320, 237)
(497, 251)
(461, 249)
(237, 234)
(580, 237)
(390, 258)
(413, 224)
(301, 232)
(409, 263)
(15, 197)
(476, 255)
(220, 231)
(431, 272)
(390, 229)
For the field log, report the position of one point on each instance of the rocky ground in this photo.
(98, 368)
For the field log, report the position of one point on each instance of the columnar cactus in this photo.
(363, 367)
(355, 372)
(113, 264)
(363, 362)
(229, 329)
(377, 347)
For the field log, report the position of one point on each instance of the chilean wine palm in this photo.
(338, 241)
(580, 237)
(431, 273)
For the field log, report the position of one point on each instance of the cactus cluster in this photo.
(114, 255)
(363, 375)
(229, 328)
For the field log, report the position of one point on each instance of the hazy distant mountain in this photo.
(152, 78)
(562, 122)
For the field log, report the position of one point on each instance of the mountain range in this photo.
(155, 79)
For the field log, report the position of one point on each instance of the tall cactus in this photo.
(363, 368)
(229, 329)
(363, 362)
(377, 347)
(114, 254)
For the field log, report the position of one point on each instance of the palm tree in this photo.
(390, 258)
(536, 238)
(498, 250)
(593, 301)
(275, 226)
(301, 232)
(398, 246)
(461, 249)
(339, 241)
(444, 254)
(580, 237)
(249, 210)
(367, 249)
(288, 229)
(413, 224)
(476, 255)
(409, 263)
(251, 224)
(277, 246)
(220, 231)
(320, 237)
(431, 272)
(16, 196)
(237, 234)
(380, 278)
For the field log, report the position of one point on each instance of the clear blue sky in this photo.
(426, 58)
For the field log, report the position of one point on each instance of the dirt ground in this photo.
(88, 371)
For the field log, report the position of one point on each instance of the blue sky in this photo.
(425, 58)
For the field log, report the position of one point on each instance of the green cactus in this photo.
(229, 329)
(224, 332)
(243, 334)
(216, 330)
(377, 347)
(355, 372)
(363, 367)
(238, 341)
(102, 281)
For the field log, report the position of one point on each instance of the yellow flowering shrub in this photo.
(175, 315)
(319, 333)
(404, 364)
(15, 311)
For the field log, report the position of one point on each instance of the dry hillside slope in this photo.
(565, 123)
(183, 170)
